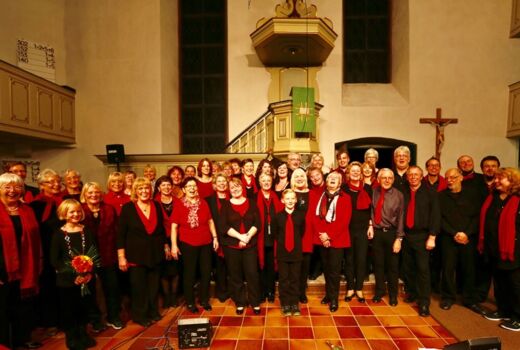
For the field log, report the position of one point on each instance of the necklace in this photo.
(12, 209)
(69, 247)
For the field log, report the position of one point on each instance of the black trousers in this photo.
(242, 266)
(144, 284)
(221, 278)
(507, 292)
(268, 274)
(331, 259)
(416, 260)
(196, 257)
(386, 262)
(48, 303)
(483, 277)
(108, 276)
(74, 310)
(16, 315)
(288, 277)
(304, 272)
(356, 259)
(458, 255)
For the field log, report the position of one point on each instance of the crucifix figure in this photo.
(439, 123)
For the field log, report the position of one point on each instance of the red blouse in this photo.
(117, 200)
(205, 189)
(195, 236)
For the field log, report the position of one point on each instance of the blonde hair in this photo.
(293, 177)
(287, 191)
(513, 175)
(66, 206)
(87, 187)
(140, 181)
(45, 174)
(116, 175)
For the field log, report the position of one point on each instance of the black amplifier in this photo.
(194, 333)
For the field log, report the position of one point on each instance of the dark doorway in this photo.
(356, 149)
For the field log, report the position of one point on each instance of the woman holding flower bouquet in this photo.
(74, 256)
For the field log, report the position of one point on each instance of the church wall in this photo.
(455, 55)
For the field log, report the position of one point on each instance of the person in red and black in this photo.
(356, 256)
(115, 195)
(248, 178)
(268, 205)
(141, 248)
(20, 169)
(329, 221)
(239, 226)
(20, 259)
(194, 236)
(215, 202)
(402, 157)
(343, 159)
(499, 241)
(288, 227)
(387, 232)
(283, 178)
(433, 179)
(44, 206)
(170, 267)
(177, 175)
(72, 182)
(422, 213)
(205, 179)
(101, 220)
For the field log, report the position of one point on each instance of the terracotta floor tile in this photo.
(271, 344)
(407, 344)
(276, 321)
(250, 312)
(413, 320)
(450, 340)
(142, 343)
(391, 320)
(131, 330)
(214, 320)
(350, 332)
(382, 344)
(299, 321)
(253, 321)
(299, 344)
(273, 312)
(217, 310)
(321, 321)
(383, 310)
(251, 333)
(324, 344)
(404, 310)
(227, 321)
(301, 333)
(227, 333)
(400, 332)
(423, 332)
(230, 311)
(112, 343)
(356, 310)
(374, 332)
(343, 321)
(357, 344)
(442, 332)
(434, 343)
(223, 344)
(319, 311)
(432, 321)
(325, 333)
(367, 321)
(342, 311)
(249, 344)
(154, 331)
(276, 333)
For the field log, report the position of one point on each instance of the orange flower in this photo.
(82, 264)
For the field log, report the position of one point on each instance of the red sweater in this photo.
(338, 230)
(195, 236)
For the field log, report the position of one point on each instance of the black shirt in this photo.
(279, 222)
(427, 216)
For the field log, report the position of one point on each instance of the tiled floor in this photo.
(354, 326)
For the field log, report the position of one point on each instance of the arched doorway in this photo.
(356, 148)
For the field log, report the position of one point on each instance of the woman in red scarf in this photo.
(170, 267)
(44, 206)
(498, 239)
(141, 248)
(248, 178)
(101, 220)
(194, 236)
(369, 174)
(205, 179)
(116, 196)
(20, 255)
(282, 180)
(356, 256)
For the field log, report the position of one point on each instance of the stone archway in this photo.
(385, 146)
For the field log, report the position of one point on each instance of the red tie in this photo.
(378, 216)
(289, 234)
(410, 215)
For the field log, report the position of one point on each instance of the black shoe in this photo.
(360, 297)
(32, 345)
(476, 308)
(349, 297)
(295, 310)
(377, 299)
(270, 297)
(424, 310)
(393, 301)
(446, 304)
(98, 327)
(495, 316)
(144, 323)
(410, 299)
(239, 310)
(257, 310)
(286, 311)
(303, 299)
(511, 325)
(206, 306)
(192, 308)
(325, 300)
(333, 307)
(116, 324)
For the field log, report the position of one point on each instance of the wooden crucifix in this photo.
(439, 123)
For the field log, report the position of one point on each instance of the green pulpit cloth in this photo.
(303, 118)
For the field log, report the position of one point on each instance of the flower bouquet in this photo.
(83, 266)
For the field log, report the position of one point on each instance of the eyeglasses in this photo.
(52, 182)
(12, 188)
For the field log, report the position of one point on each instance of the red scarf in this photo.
(468, 177)
(250, 184)
(151, 222)
(219, 204)
(50, 204)
(363, 199)
(260, 200)
(378, 214)
(28, 197)
(22, 264)
(410, 212)
(506, 227)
